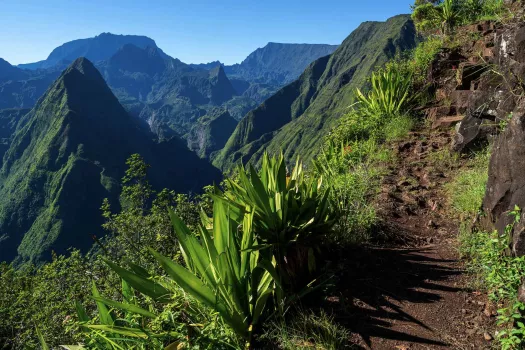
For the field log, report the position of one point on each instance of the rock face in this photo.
(506, 183)
(211, 132)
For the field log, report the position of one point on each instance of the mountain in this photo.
(269, 68)
(279, 64)
(297, 117)
(9, 72)
(99, 48)
(21, 88)
(165, 92)
(275, 64)
(67, 154)
(211, 132)
(9, 120)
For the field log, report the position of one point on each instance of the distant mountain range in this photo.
(296, 118)
(274, 64)
(168, 94)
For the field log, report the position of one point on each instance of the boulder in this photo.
(474, 132)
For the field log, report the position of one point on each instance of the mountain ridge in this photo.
(297, 116)
(68, 154)
(97, 48)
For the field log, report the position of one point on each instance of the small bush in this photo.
(445, 15)
(500, 275)
(354, 172)
(467, 190)
(310, 331)
(388, 96)
(422, 58)
(399, 127)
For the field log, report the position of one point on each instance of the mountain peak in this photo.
(218, 72)
(98, 48)
(80, 72)
(83, 65)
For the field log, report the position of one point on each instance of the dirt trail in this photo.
(412, 292)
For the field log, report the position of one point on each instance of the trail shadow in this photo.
(371, 283)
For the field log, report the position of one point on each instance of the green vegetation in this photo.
(226, 269)
(210, 133)
(307, 330)
(354, 172)
(446, 15)
(291, 213)
(500, 275)
(238, 263)
(388, 94)
(49, 295)
(67, 155)
(467, 189)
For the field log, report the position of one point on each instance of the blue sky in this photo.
(194, 31)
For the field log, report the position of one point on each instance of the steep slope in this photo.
(297, 117)
(68, 155)
(9, 119)
(101, 47)
(211, 132)
(279, 64)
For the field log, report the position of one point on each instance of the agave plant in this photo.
(291, 213)
(223, 271)
(448, 14)
(388, 96)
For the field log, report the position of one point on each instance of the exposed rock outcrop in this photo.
(506, 183)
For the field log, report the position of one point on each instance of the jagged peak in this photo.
(218, 72)
(84, 67)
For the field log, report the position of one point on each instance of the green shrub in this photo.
(467, 189)
(423, 56)
(398, 127)
(310, 331)
(44, 296)
(292, 212)
(445, 15)
(500, 274)
(388, 95)
(224, 272)
(354, 171)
